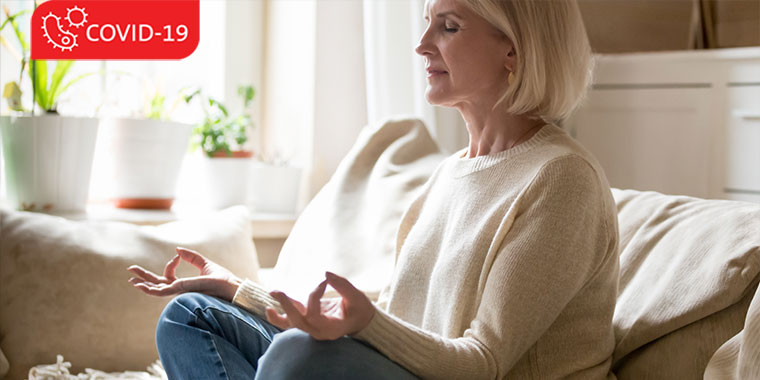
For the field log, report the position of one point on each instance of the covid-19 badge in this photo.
(115, 29)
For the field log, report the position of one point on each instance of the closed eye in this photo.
(450, 27)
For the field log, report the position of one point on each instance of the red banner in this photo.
(115, 29)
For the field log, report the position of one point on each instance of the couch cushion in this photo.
(683, 263)
(64, 289)
(350, 226)
(739, 357)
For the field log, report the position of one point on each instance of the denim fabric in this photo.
(203, 337)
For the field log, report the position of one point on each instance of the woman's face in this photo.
(466, 58)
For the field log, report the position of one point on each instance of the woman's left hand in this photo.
(327, 319)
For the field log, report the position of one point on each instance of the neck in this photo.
(493, 132)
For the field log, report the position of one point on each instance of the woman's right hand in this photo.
(214, 280)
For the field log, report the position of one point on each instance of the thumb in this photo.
(344, 287)
(193, 257)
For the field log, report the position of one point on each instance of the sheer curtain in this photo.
(395, 74)
(331, 67)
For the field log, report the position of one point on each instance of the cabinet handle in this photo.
(748, 115)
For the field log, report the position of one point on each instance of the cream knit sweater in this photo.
(506, 267)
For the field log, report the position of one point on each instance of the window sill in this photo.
(264, 225)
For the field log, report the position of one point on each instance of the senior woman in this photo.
(506, 263)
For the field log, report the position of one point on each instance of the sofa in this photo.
(687, 307)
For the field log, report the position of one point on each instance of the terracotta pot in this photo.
(143, 203)
(234, 154)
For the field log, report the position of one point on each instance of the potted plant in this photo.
(144, 155)
(222, 137)
(275, 185)
(48, 157)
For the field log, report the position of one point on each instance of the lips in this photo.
(434, 72)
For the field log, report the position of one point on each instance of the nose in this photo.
(424, 46)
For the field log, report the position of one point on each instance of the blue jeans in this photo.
(203, 337)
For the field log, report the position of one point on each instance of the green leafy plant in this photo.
(219, 131)
(46, 90)
(155, 106)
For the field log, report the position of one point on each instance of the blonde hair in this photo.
(554, 63)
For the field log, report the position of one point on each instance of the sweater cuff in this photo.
(255, 298)
(383, 330)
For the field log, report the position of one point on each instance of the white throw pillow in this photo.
(350, 226)
(64, 289)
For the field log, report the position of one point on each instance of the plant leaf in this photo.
(247, 92)
(12, 17)
(19, 34)
(215, 103)
(190, 96)
(61, 69)
(38, 73)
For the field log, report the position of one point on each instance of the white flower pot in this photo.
(274, 188)
(225, 180)
(48, 160)
(142, 160)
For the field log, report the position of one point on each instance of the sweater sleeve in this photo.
(255, 298)
(557, 235)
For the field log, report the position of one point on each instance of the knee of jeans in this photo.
(294, 353)
(178, 311)
(284, 345)
(286, 340)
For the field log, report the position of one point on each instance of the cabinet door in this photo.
(649, 137)
(743, 140)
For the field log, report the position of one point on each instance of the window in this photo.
(228, 54)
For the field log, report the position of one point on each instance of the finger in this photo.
(171, 267)
(136, 281)
(342, 285)
(297, 304)
(190, 284)
(192, 257)
(315, 306)
(145, 274)
(295, 317)
(159, 290)
(276, 319)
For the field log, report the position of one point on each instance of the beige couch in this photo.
(687, 305)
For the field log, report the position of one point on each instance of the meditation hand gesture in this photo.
(214, 280)
(325, 319)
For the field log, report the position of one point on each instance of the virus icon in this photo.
(56, 35)
(79, 14)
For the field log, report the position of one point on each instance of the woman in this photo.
(506, 263)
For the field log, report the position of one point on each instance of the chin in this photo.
(436, 98)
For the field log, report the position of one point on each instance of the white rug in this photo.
(60, 371)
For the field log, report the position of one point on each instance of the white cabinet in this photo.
(678, 122)
(650, 138)
(743, 137)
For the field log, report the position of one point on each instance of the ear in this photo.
(510, 59)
